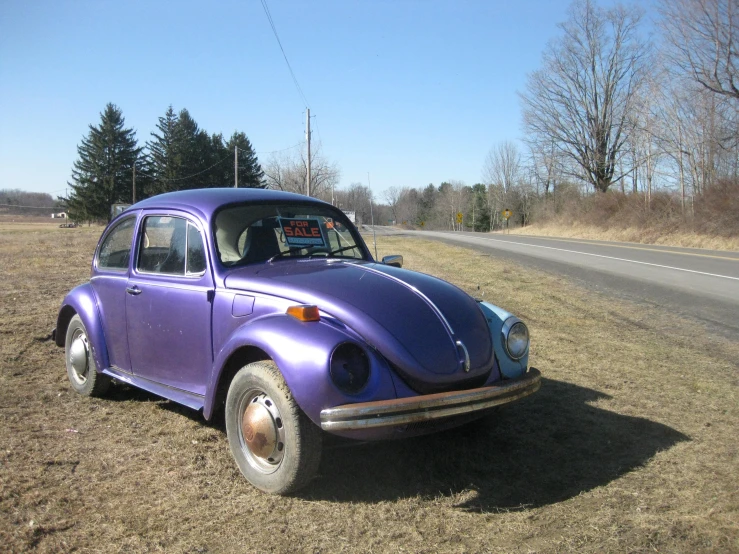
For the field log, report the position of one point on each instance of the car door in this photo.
(109, 280)
(168, 304)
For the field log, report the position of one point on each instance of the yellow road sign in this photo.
(459, 217)
(507, 213)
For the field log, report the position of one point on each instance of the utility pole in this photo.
(134, 181)
(307, 137)
(372, 213)
(236, 166)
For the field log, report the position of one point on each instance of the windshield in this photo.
(255, 233)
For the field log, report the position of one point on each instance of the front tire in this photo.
(81, 369)
(275, 445)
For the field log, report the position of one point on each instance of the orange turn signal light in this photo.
(304, 312)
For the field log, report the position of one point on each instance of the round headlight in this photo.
(350, 368)
(516, 339)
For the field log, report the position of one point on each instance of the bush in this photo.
(714, 213)
(717, 210)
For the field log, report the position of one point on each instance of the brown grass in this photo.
(629, 234)
(629, 446)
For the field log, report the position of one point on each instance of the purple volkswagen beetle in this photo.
(269, 308)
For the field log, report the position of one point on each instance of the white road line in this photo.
(606, 257)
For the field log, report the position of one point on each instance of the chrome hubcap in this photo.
(262, 432)
(78, 358)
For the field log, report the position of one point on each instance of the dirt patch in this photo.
(629, 446)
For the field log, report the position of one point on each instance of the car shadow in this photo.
(122, 392)
(545, 449)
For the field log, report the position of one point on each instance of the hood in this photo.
(413, 319)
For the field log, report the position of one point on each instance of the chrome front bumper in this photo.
(403, 411)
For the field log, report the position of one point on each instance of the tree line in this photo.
(613, 112)
(611, 108)
(17, 201)
(179, 155)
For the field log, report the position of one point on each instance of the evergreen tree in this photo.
(250, 171)
(164, 155)
(103, 173)
(221, 163)
(184, 156)
(193, 145)
(426, 204)
(479, 214)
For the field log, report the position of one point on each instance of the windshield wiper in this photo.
(309, 252)
(291, 251)
(342, 249)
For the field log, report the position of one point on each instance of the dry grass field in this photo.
(629, 446)
(630, 234)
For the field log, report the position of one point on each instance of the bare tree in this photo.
(644, 148)
(546, 164)
(452, 199)
(393, 196)
(502, 165)
(408, 206)
(703, 39)
(580, 99)
(287, 172)
(359, 199)
(495, 203)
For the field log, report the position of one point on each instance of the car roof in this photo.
(206, 201)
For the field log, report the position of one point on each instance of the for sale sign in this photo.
(302, 232)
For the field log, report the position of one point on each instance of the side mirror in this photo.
(395, 260)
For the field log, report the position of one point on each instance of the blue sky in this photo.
(411, 91)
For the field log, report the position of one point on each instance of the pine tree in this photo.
(250, 171)
(164, 154)
(103, 174)
(183, 156)
(192, 145)
(479, 213)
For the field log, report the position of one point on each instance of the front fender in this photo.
(82, 301)
(302, 352)
(495, 317)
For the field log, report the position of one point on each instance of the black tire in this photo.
(81, 369)
(276, 446)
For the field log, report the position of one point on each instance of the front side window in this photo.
(256, 233)
(172, 246)
(115, 251)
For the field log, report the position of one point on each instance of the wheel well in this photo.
(241, 357)
(65, 316)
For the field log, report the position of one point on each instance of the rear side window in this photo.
(172, 246)
(195, 251)
(116, 248)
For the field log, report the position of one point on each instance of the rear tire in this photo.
(81, 369)
(275, 445)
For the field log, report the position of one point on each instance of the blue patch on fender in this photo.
(302, 231)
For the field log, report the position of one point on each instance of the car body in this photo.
(269, 307)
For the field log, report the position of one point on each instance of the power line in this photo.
(276, 151)
(274, 30)
(194, 174)
(318, 130)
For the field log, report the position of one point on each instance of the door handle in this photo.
(133, 290)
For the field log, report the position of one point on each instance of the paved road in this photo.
(702, 284)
